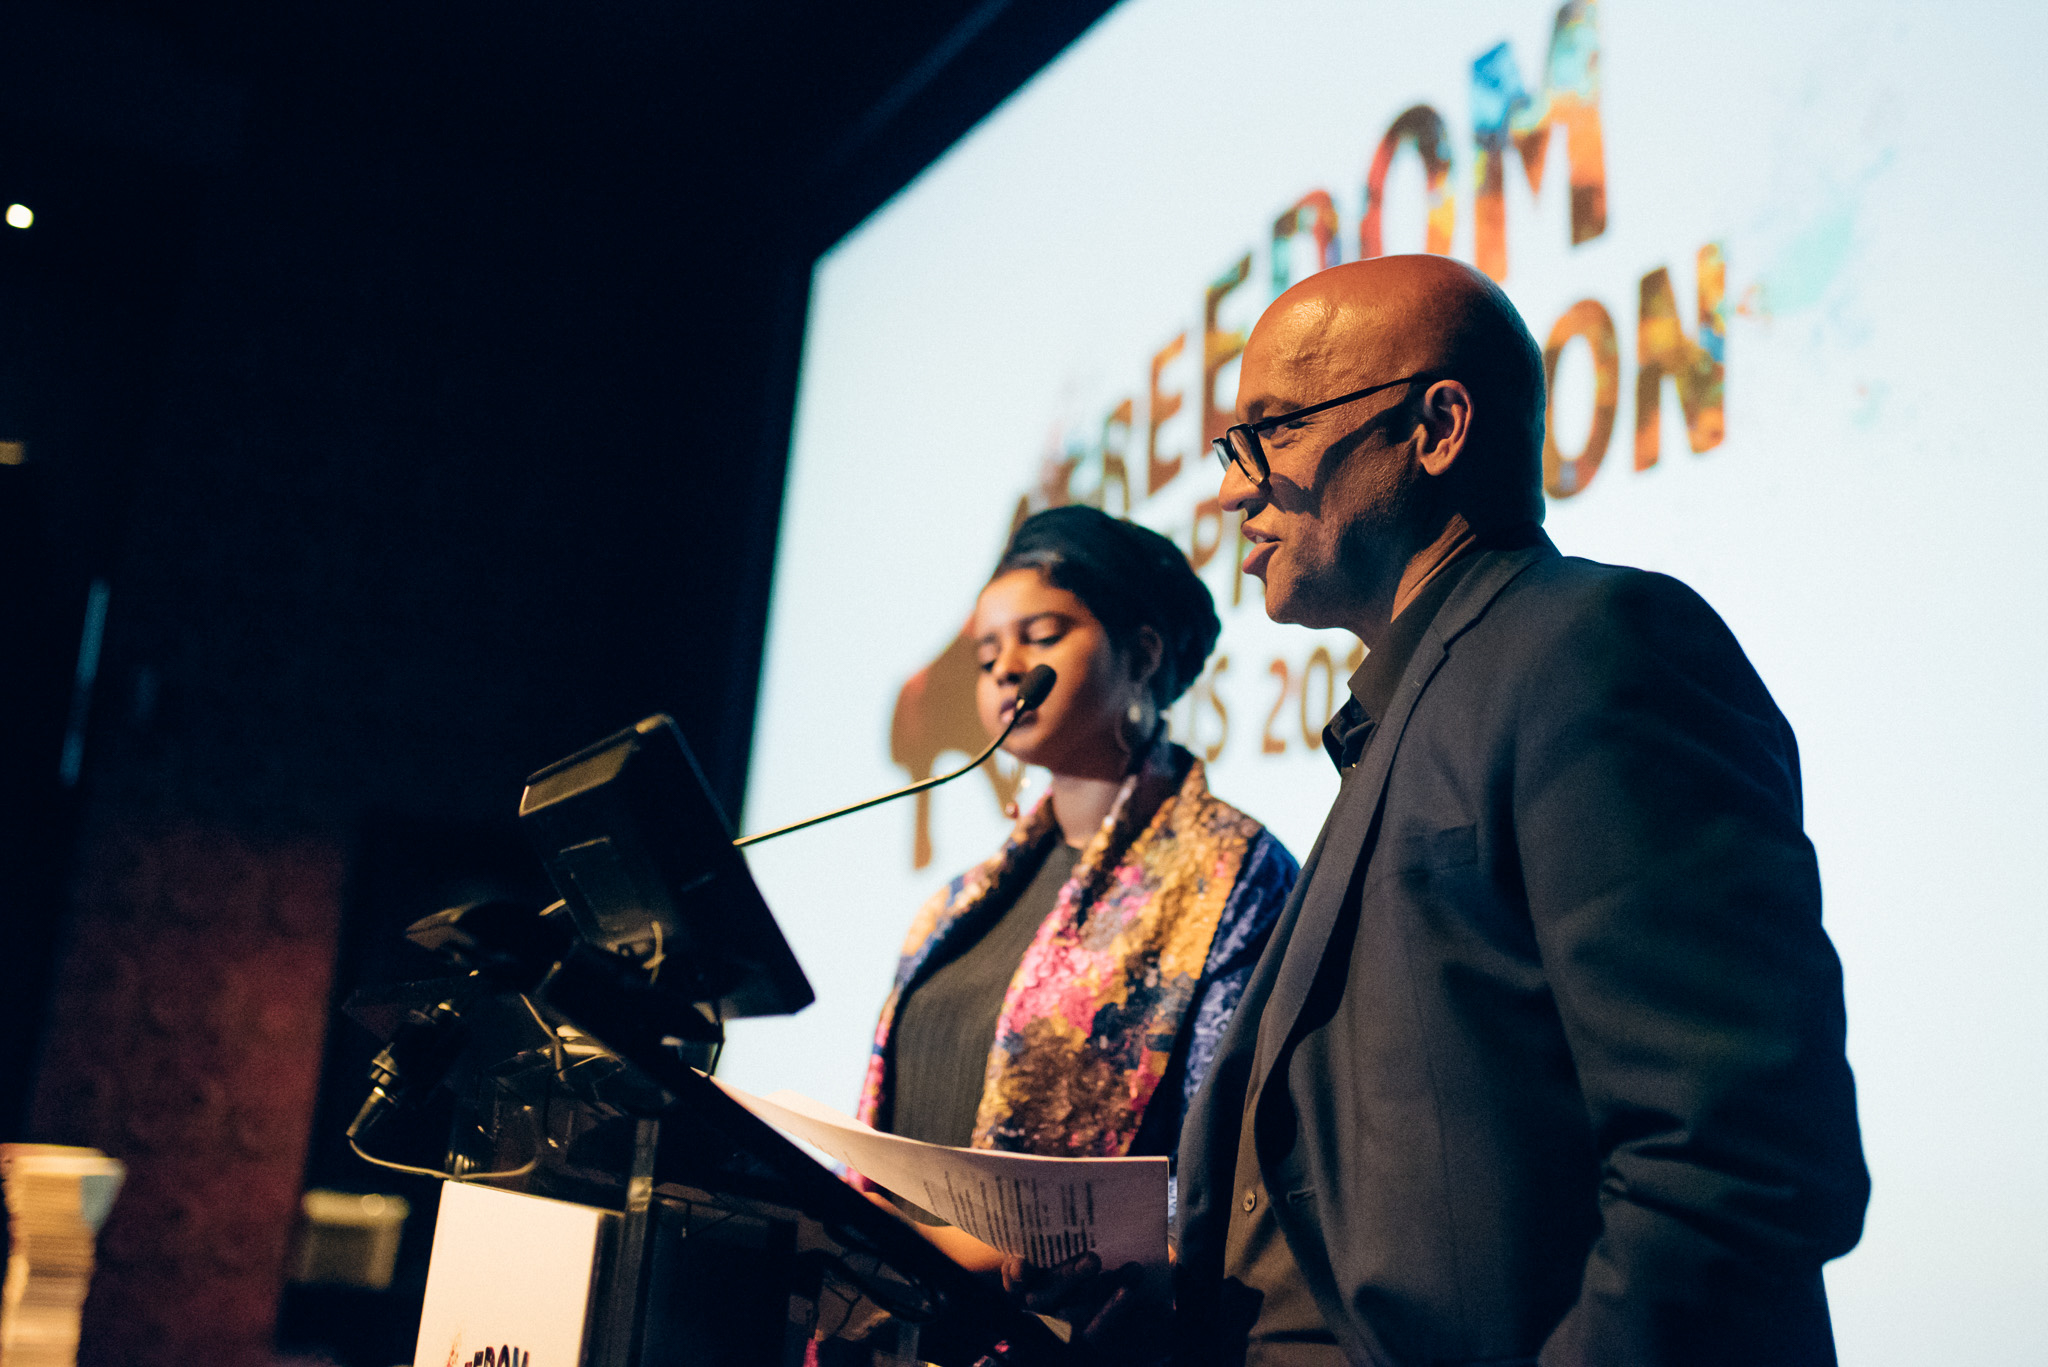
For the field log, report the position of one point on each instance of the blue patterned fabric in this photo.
(1263, 885)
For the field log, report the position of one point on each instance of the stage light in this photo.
(20, 215)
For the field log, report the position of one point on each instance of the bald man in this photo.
(1545, 1063)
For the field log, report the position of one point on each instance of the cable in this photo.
(554, 1039)
(397, 1167)
(528, 1166)
(849, 1294)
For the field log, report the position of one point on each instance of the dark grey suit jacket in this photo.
(1547, 1049)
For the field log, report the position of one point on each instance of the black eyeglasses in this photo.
(1239, 446)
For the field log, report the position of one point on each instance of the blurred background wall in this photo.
(398, 397)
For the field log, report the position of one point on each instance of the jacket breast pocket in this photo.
(1446, 849)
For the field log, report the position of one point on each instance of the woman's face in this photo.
(1020, 622)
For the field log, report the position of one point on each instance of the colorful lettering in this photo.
(1565, 475)
(1315, 215)
(1210, 752)
(1160, 408)
(1201, 549)
(1697, 368)
(1056, 479)
(1425, 129)
(1270, 744)
(1219, 348)
(1504, 112)
(1113, 467)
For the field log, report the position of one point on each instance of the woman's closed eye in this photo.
(987, 661)
(1040, 631)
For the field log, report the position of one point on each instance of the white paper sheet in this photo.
(1045, 1209)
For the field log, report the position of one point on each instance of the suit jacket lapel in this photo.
(1319, 896)
(1301, 935)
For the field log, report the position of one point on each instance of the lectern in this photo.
(608, 1205)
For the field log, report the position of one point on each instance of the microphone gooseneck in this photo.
(1031, 691)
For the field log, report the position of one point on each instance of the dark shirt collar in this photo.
(1374, 683)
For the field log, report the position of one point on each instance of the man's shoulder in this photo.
(1569, 627)
(1571, 578)
(1563, 622)
(1566, 595)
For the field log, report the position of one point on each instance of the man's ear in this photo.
(1445, 425)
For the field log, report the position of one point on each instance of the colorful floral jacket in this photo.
(1134, 974)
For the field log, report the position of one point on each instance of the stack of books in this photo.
(57, 1199)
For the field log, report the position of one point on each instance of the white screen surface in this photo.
(1865, 522)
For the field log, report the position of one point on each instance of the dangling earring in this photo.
(1137, 733)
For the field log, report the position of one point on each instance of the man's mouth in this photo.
(1264, 544)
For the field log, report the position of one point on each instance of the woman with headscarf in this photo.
(1066, 996)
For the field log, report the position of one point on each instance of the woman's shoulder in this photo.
(1264, 851)
(1267, 854)
(1265, 878)
(1267, 874)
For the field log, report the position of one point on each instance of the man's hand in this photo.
(1103, 1307)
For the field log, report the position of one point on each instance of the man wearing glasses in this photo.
(1545, 1062)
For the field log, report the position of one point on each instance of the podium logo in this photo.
(493, 1357)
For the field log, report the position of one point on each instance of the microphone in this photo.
(1031, 691)
(414, 1062)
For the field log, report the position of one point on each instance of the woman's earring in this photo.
(1135, 713)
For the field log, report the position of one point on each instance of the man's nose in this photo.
(1239, 494)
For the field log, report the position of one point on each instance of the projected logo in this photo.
(1134, 460)
(935, 714)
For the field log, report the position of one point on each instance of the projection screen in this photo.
(1787, 260)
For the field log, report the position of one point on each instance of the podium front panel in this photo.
(511, 1280)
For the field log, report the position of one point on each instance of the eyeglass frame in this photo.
(1222, 448)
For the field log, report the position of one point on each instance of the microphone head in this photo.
(1035, 687)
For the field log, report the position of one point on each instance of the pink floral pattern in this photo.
(1089, 1024)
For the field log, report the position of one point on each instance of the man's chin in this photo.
(1283, 604)
(1289, 606)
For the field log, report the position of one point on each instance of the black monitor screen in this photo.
(640, 851)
